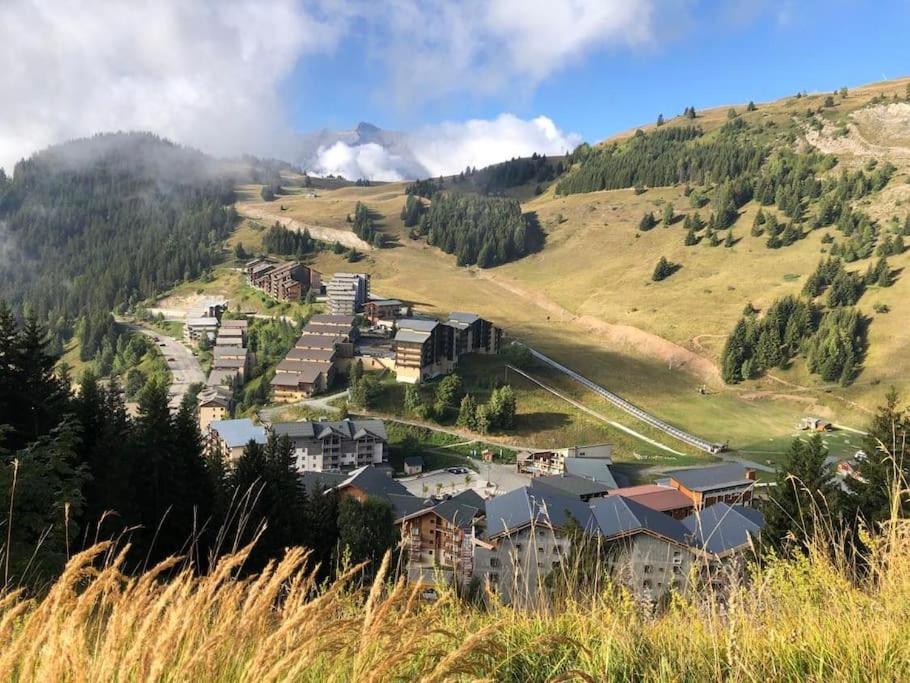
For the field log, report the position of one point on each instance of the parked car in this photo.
(457, 470)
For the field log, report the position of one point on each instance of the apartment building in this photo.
(297, 380)
(426, 348)
(325, 446)
(214, 404)
(284, 281)
(730, 482)
(385, 311)
(228, 438)
(347, 292)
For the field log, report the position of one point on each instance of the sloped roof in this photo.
(466, 318)
(218, 377)
(227, 323)
(411, 337)
(320, 328)
(214, 396)
(332, 319)
(713, 477)
(619, 516)
(522, 507)
(721, 528)
(417, 324)
(350, 429)
(237, 433)
(457, 513)
(414, 461)
(660, 498)
(597, 469)
(311, 355)
(291, 373)
(570, 485)
(374, 482)
(315, 482)
(318, 341)
(472, 498)
(223, 363)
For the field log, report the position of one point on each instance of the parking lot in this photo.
(488, 480)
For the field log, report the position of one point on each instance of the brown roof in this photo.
(226, 363)
(322, 329)
(319, 341)
(335, 320)
(660, 498)
(302, 373)
(311, 355)
(228, 323)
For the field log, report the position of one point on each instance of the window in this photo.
(648, 569)
(494, 577)
(540, 549)
(494, 561)
(677, 557)
(646, 583)
(555, 564)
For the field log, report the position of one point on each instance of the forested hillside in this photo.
(96, 223)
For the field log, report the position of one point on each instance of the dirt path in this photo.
(812, 391)
(622, 336)
(319, 232)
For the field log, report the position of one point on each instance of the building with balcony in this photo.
(326, 446)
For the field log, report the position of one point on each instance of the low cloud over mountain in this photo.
(376, 154)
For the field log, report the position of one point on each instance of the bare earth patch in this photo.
(319, 232)
(620, 336)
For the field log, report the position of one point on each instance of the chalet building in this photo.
(370, 481)
(297, 380)
(440, 540)
(215, 404)
(526, 538)
(228, 438)
(283, 281)
(196, 330)
(731, 483)
(325, 446)
(592, 461)
(413, 464)
(385, 311)
(347, 293)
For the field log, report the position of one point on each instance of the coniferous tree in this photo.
(800, 506)
(467, 413)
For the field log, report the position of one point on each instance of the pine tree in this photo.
(467, 413)
(668, 215)
(800, 506)
(647, 222)
(691, 238)
(662, 270)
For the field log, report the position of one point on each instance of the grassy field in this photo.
(804, 619)
(587, 299)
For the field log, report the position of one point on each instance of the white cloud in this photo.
(203, 72)
(438, 48)
(370, 161)
(451, 147)
(446, 149)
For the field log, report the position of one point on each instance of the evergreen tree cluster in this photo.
(496, 415)
(412, 210)
(487, 231)
(297, 243)
(664, 157)
(365, 227)
(423, 188)
(76, 468)
(107, 221)
(833, 342)
(513, 173)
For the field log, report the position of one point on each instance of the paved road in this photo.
(185, 369)
(317, 403)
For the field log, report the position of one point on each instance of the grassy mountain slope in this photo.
(588, 299)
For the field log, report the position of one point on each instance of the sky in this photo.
(468, 83)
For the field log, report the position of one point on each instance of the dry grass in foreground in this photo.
(799, 620)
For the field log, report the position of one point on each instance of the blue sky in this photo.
(471, 82)
(718, 53)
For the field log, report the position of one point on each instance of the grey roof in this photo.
(417, 324)
(386, 302)
(570, 485)
(619, 516)
(291, 373)
(466, 318)
(721, 528)
(220, 351)
(414, 461)
(214, 396)
(713, 477)
(228, 363)
(374, 482)
(230, 331)
(472, 498)
(405, 504)
(522, 507)
(321, 328)
(236, 433)
(409, 336)
(227, 323)
(350, 429)
(217, 377)
(597, 469)
(457, 513)
(314, 482)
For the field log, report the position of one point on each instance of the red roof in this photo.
(654, 496)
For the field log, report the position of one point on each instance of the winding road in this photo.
(184, 367)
